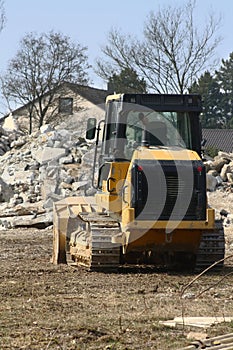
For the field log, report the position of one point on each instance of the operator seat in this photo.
(156, 133)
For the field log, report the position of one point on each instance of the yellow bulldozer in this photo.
(150, 206)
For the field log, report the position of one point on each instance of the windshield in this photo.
(128, 129)
(158, 129)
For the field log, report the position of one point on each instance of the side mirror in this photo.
(91, 128)
(203, 142)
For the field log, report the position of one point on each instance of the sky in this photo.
(88, 22)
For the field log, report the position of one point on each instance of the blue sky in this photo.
(89, 21)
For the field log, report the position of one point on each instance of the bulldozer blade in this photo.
(65, 219)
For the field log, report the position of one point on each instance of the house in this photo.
(219, 139)
(69, 100)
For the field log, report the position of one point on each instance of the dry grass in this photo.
(58, 307)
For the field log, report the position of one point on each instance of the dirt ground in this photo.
(44, 306)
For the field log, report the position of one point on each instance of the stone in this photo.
(199, 322)
(219, 180)
(45, 128)
(65, 185)
(218, 163)
(57, 144)
(46, 154)
(211, 183)
(79, 185)
(49, 186)
(40, 221)
(52, 172)
(231, 166)
(64, 134)
(55, 197)
(197, 335)
(16, 199)
(90, 191)
(66, 160)
(11, 176)
(10, 124)
(225, 169)
(230, 177)
(18, 143)
(69, 180)
(6, 192)
(228, 156)
(213, 172)
(48, 204)
(88, 158)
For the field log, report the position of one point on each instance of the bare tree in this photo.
(172, 53)
(2, 15)
(43, 63)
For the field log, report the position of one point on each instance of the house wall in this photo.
(82, 109)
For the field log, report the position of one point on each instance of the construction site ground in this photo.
(44, 306)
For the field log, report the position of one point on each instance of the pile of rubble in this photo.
(220, 172)
(37, 170)
(6, 138)
(54, 163)
(220, 186)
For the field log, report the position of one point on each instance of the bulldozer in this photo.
(150, 206)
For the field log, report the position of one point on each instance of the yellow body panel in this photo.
(129, 222)
(113, 97)
(165, 153)
(157, 241)
(111, 196)
(163, 235)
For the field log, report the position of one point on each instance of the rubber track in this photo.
(102, 253)
(211, 249)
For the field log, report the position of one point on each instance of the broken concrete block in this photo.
(46, 154)
(11, 176)
(48, 186)
(211, 182)
(6, 192)
(228, 156)
(79, 185)
(230, 177)
(10, 124)
(45, 128)
(213, 172)
(199, 322)
(225, 169)
(66, 160)
(218, 163)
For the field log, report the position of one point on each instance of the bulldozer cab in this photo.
(151, 120)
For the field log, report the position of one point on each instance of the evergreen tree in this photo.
(127, 81)
(225, 80)
(208, 87)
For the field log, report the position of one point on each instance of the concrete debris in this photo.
(57, 162)
(10, 124)
(219, 179)
(196, 322)
(39, 169)
(220, 171)
(7, 137)
(224, 342)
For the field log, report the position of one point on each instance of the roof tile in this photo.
(222, 139)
